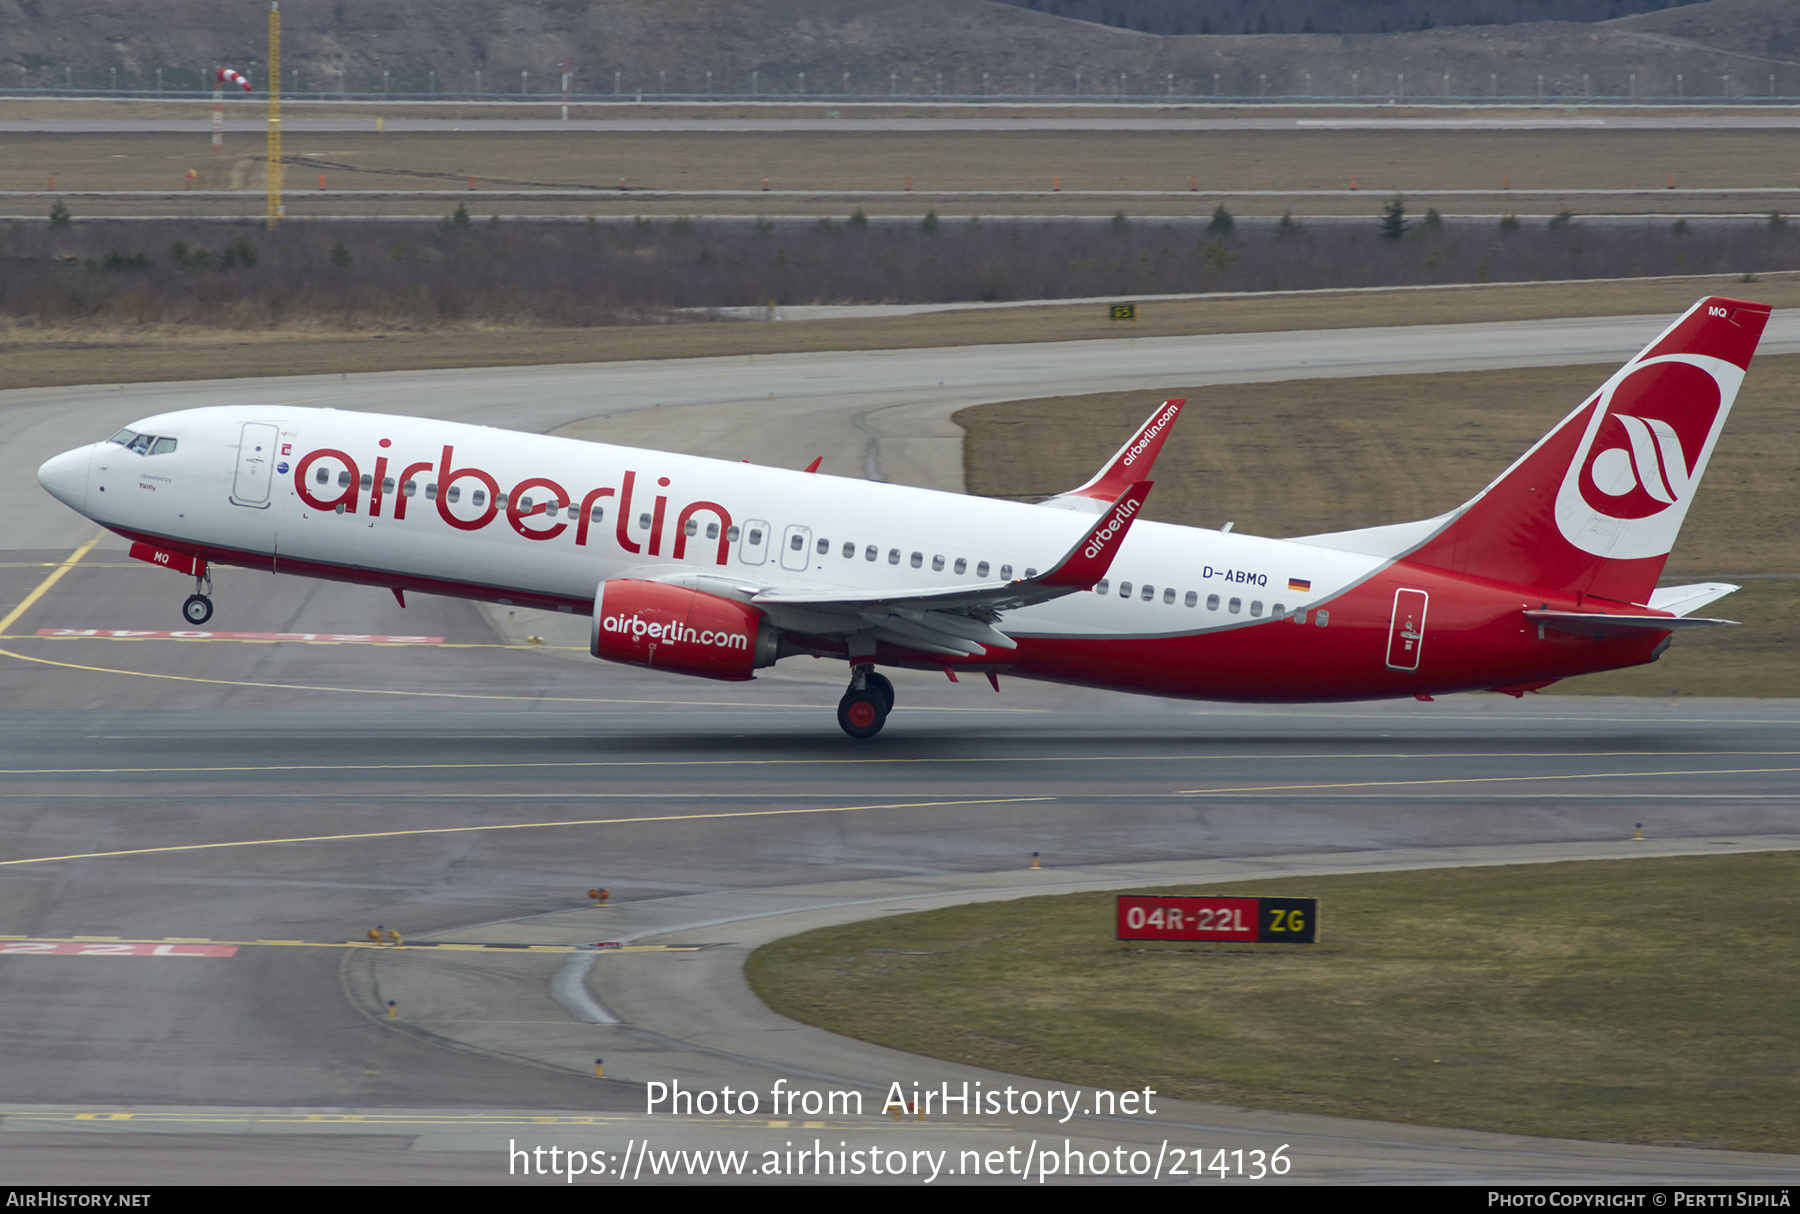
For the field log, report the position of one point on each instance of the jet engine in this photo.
(673, 628)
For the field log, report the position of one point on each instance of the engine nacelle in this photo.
(673, 628)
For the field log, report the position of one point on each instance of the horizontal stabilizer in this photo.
(1599, 624)
(1681, 600)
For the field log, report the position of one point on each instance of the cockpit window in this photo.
(143, 444)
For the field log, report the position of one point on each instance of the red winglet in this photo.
(1088, 561)
(812, 467)
(1134, 460)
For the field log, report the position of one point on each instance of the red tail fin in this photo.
(1594, 507)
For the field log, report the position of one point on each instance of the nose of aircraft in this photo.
(66, 477)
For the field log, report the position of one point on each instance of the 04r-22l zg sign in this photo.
(1254, 920)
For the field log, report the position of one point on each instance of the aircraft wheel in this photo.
(197, 609)
(862, 713)
(879, 683)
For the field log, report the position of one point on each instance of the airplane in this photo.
(718, 569)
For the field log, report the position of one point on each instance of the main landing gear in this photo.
(866, 704)
(198, 608)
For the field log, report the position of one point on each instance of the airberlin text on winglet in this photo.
(1123, 513)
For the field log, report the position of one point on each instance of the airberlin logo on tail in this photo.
(1100, 539)
(1645, 446)
(1650, 460)
(671, 633)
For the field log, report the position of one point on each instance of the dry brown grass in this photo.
(1539, 164)
(78, 355)
(1624, 1000)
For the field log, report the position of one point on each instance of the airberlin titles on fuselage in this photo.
(520, 507)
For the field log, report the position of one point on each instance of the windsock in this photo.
(227, 76)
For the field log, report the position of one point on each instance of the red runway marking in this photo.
(341, 638)
(102, 948)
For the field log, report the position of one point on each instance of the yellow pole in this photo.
(275, 208)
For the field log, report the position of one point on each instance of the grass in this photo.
(1410, 161)
(1642, 1001)
(73, 354)
(1383, 449)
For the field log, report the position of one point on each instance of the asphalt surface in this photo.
(278, 798)
(1727, 119)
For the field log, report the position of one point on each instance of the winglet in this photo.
(1088, 561)
(814, 466)
(1133, 461)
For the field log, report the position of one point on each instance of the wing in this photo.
(954, 621)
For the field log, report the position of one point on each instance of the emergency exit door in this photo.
(1406, 633)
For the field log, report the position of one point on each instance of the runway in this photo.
(280, 794)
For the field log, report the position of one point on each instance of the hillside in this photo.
(916, 47)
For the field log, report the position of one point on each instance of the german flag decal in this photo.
(1299, 583)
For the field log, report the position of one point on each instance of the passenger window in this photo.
(962, 565)
(797, 542)
(1031, 573)
(1256, 607)
(344, 480)
(1322, 618)
(477, 498)
(387, 484)
(597, 513)
(731, 534)
(1300, 617)
(452, 493)
(849, 549)
(163, 446)
(1006, 573)
(893, 556)
(937, 564)
(1124, 590)
(644, 520)
(323, 476)
(367, 482)
(410, 488)
(1101, 586)
(1235, 606)
(870, 552)
(755, 536)
(1192, 598)
(1169, 596)
(551, 508)
(1148, 593)
(981, 569)
(712, 531)
(824, 547)
(1277, 611)
(431, 491)
(918, 559)
(1212, 602)
(692, 527)
(499, 500)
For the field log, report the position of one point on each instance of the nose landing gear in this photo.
(866, 704)
(198, 608)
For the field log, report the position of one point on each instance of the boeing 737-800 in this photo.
(718, 569)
